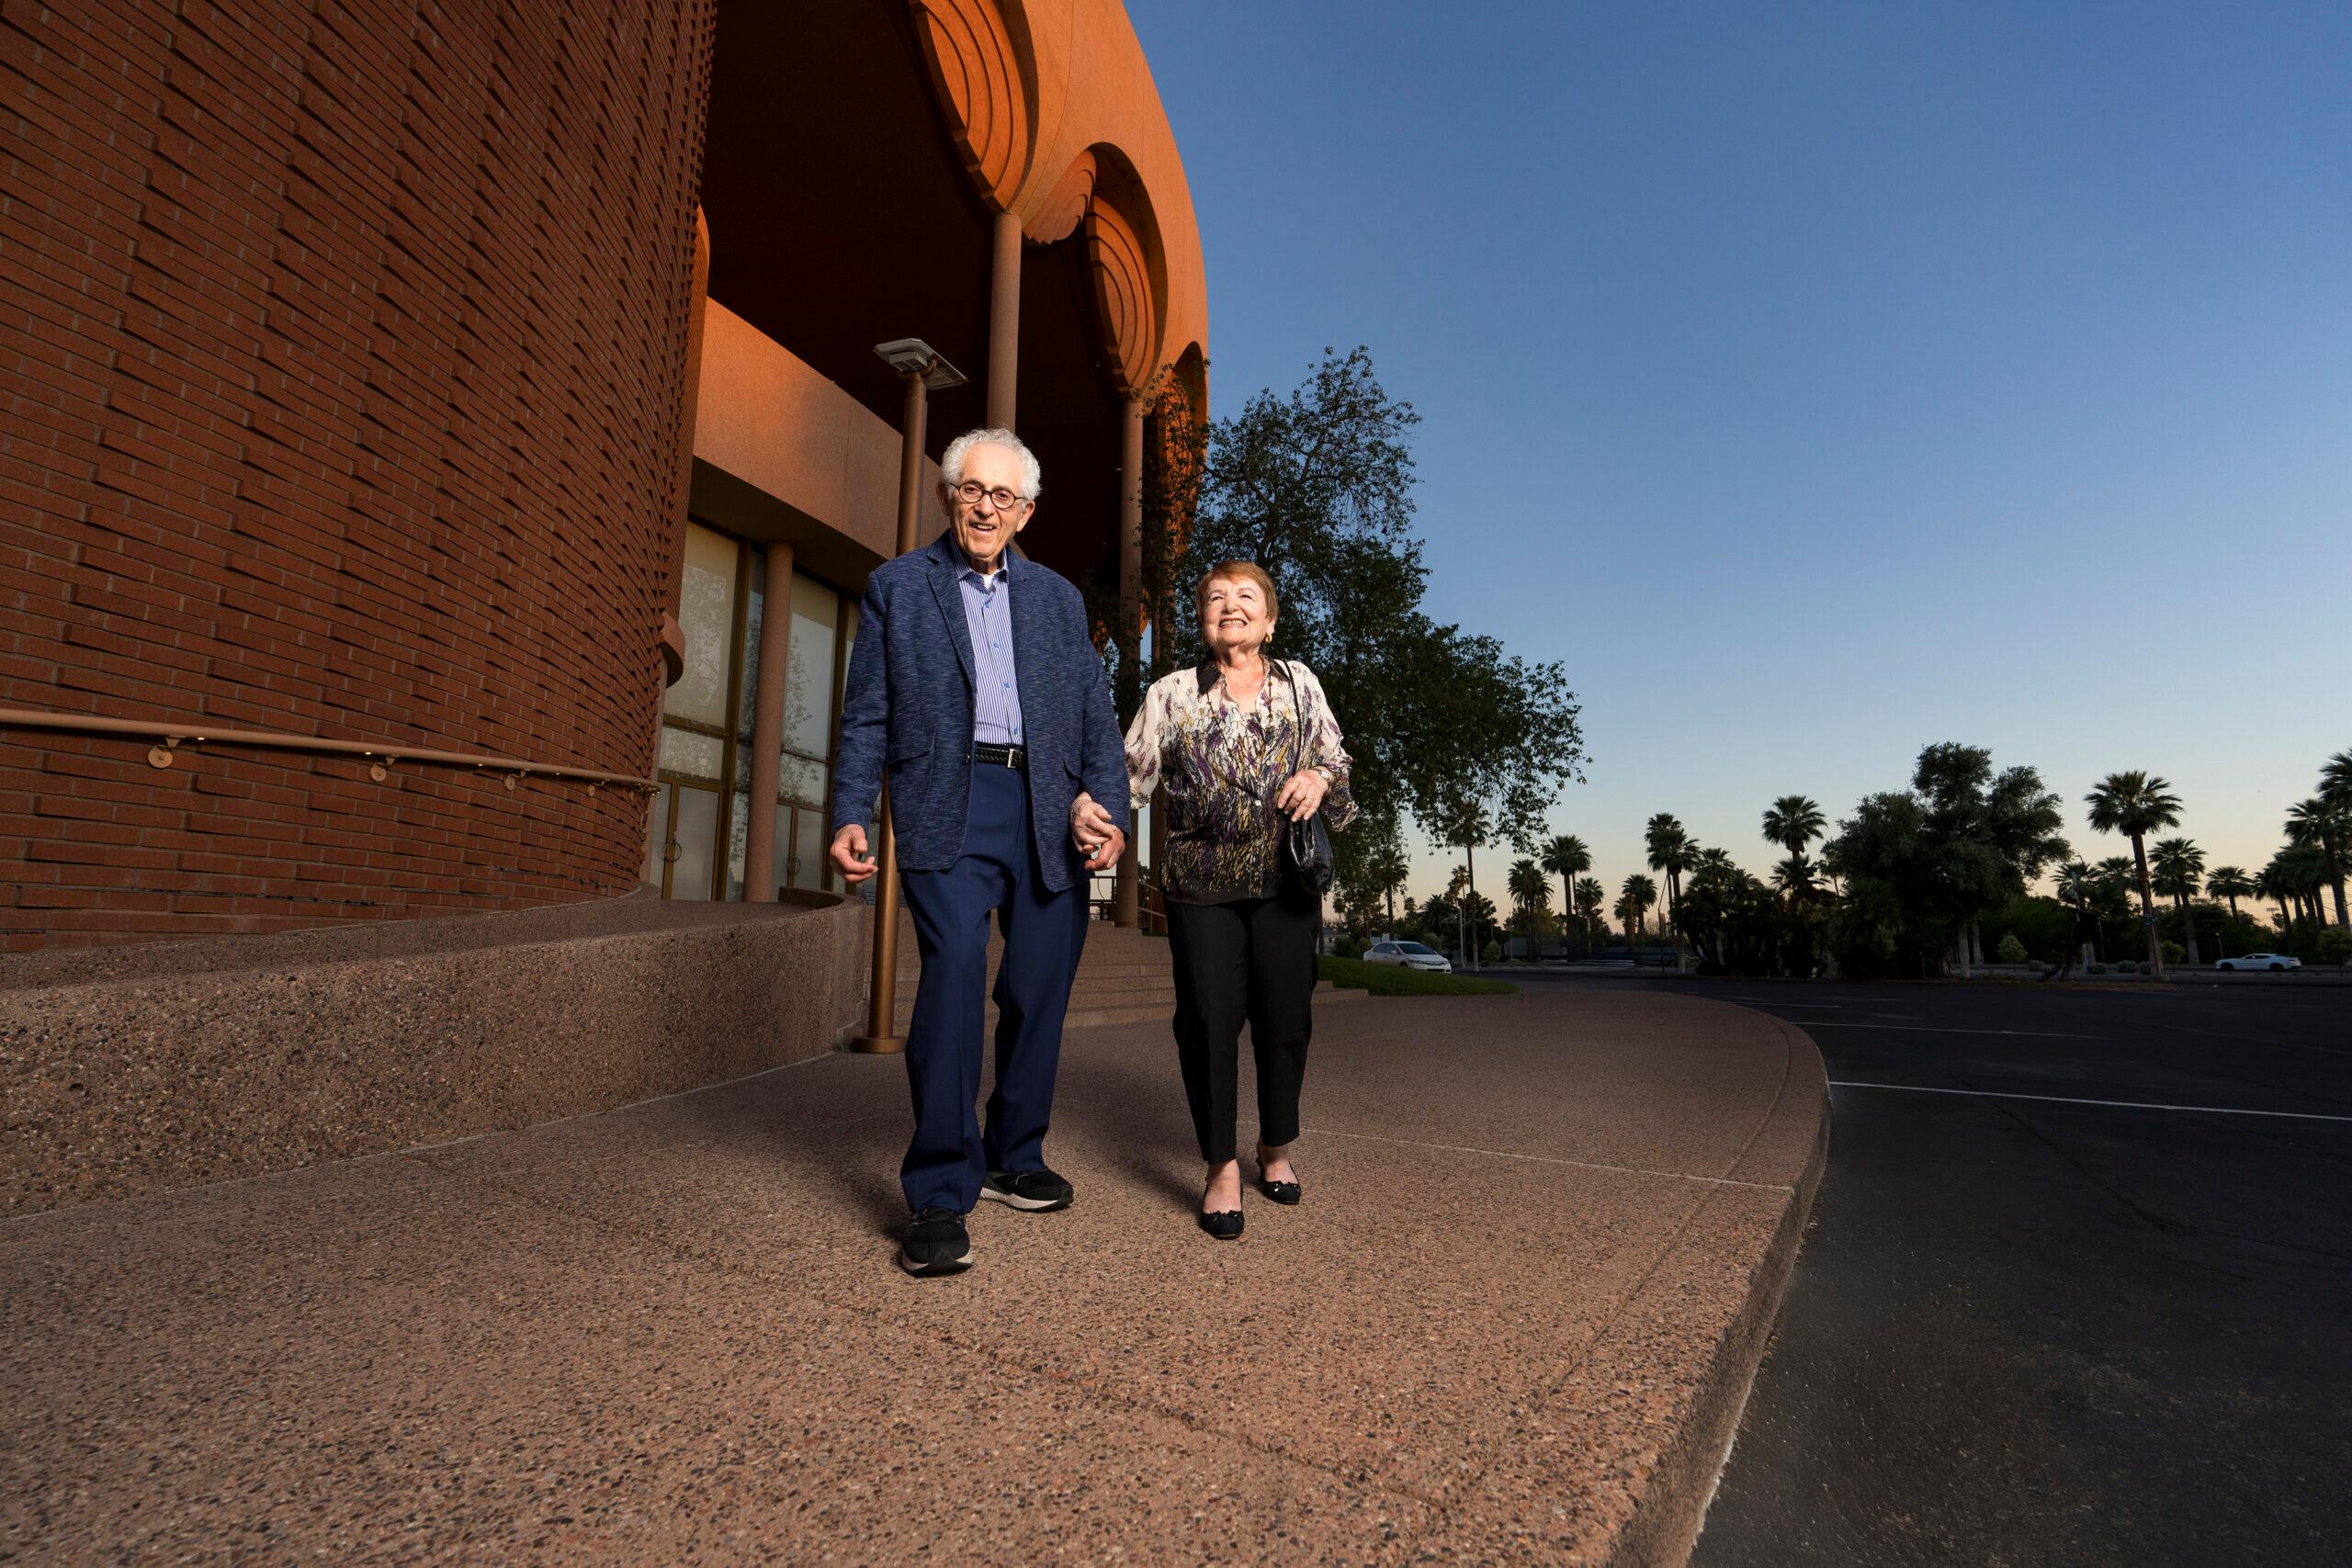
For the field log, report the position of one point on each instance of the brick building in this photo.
(375, 379)
(444, 450)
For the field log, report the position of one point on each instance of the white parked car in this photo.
(2272, 961)
(1411, 954)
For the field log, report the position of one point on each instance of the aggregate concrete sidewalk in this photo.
(1542, 1243)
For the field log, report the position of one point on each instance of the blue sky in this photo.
(1819, 381)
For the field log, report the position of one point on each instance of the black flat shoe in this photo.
(1225, 1226)
(1280, 1191)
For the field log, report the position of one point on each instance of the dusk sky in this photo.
(1820, 381)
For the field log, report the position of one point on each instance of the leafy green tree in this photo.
(1317, 487)
(2179, 874)
(2135, 805)
(1963, 840)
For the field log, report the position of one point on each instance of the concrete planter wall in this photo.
(129, 1070)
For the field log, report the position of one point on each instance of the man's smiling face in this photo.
(983, 527)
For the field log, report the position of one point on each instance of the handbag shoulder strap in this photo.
(1297, 717)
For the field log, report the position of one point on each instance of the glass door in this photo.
(697, 759)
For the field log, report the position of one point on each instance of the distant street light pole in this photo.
(923, 371)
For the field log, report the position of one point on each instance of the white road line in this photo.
(1929, 1029)
(2115, 1104)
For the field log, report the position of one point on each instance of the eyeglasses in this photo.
(1002, 499)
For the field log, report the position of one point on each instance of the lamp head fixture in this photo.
(913, 356)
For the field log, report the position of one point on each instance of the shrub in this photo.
(2174, 953)
(2093, 969)
(2010, 950)
(2333, 945)
(1343, 947)
(2128, 966)
(1492, 953)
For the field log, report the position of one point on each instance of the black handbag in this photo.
(1306, 846)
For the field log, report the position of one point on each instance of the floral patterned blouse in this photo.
(1223, 764)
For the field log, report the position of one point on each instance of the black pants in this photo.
(1253, 960)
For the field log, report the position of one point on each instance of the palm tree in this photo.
(2230, 884)
(2135, 805)
(1589, 895)
(1532, 891)
(2303, 869)
(1671, 850)
(2271, 884)
(2335, 780)
(1793, 879)
(1629, 915)
(1567, 855)
(2180, 867)
(1468, 826)
(1386, 868)
(2328, 825)
(1640, 893)
(1793, 822)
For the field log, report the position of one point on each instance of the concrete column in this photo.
(767, 727)
(1127, 890)
(1004, 320)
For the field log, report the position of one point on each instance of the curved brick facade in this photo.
(342, 346)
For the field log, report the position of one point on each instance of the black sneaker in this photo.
(1035, 1190)
(936, 1243)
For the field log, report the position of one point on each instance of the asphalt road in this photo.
(2030, 1330)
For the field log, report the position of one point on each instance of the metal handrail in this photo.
(386, 753)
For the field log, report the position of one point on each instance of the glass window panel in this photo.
(697, 839)
(697, 756)
(800, 779)
(809, 681)
(811, 861)
(755, 605)
(738, 837)
(849, 641)
(706, 611)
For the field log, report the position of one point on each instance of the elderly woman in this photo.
(1243, 744)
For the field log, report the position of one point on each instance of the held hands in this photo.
(851, 857)
(1097, 837)
(1301, 794)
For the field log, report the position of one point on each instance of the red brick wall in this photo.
(341, 344)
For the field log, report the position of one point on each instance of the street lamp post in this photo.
(920, 365)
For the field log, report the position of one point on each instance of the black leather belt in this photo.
(1014, 756)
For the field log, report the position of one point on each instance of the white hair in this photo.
(951, 462)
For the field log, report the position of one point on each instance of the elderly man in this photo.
(975, 681)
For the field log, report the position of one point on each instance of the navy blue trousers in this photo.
(1044, 933)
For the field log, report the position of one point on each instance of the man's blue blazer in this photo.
(908, 708)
